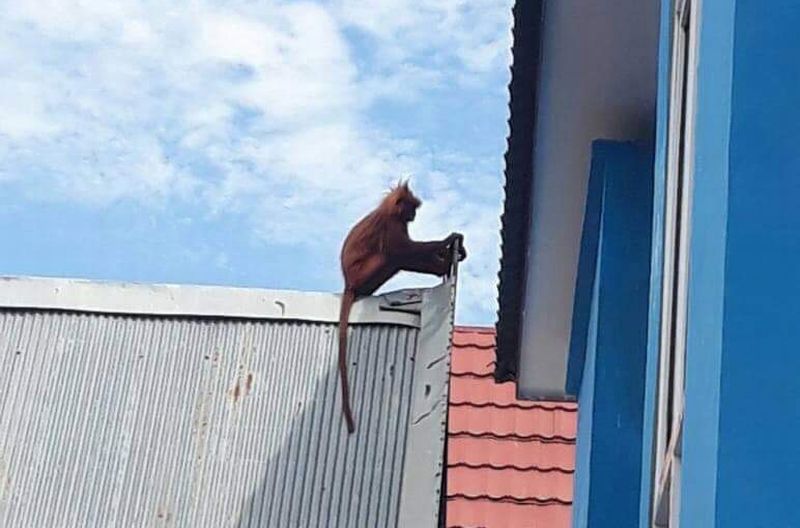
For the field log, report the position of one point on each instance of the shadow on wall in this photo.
(316, 474)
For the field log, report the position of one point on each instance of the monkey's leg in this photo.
(371, 275)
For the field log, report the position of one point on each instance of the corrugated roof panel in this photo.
(510, 463)
(140, 420)
(516, 218)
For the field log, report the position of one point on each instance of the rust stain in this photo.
(5, 480)
(237, 391)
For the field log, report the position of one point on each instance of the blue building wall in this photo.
(759, 458)
(742, 408)
(610, 322)
(742, 389)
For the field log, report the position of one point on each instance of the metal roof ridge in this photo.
(400, 307)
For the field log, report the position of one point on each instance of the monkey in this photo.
(377, 248)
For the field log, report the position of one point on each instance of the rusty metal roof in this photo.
(149, 405)
(509, 462)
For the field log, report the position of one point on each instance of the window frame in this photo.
(675, 281)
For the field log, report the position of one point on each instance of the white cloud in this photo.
(470, 35)
(261, 108)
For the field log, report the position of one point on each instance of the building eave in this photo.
(526, 58)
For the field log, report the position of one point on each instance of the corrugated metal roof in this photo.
(515, 230)
(111, 419)
(510, 463)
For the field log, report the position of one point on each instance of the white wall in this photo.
(598, 80)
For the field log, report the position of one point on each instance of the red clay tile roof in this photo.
(509, 462)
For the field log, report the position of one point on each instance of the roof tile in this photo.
(510, 462)
(463, 513)
(481, 390)
(521, 454)
(521, 485)
(534, 422)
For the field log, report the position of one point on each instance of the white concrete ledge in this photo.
(39, 293)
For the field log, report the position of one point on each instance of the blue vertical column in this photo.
(609, 336)
(656, 261)
(704, 342)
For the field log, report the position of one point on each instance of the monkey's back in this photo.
(364, 240)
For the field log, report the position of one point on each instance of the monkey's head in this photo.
(402, 203)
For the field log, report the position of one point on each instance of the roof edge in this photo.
(424, 481)
(515, 231)
(80, 295)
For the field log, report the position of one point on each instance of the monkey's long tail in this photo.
(344, 315)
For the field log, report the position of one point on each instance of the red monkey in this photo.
(377, 248)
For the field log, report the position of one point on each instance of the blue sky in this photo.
(236, 142)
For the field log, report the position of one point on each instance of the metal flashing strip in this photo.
(422, 488)
(77, 295)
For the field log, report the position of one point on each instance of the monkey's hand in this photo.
(451, 239)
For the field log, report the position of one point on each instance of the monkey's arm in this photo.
(432, 264)
(414, 249)
(400, 247)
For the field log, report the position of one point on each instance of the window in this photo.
(677, 214)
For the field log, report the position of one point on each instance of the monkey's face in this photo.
(411, 212)
(407, 209)
(403, 203)
(408, 205)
